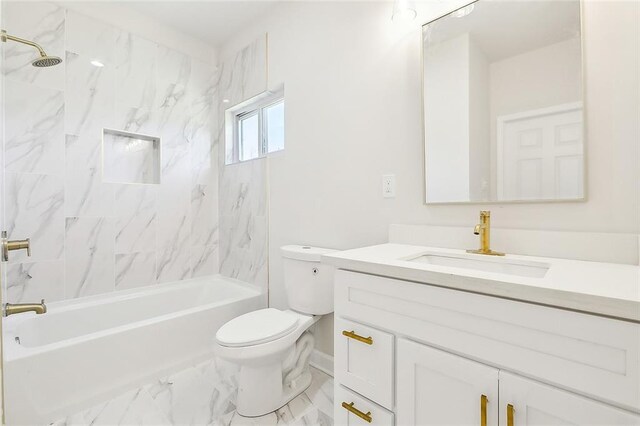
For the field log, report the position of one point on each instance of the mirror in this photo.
(503, 103)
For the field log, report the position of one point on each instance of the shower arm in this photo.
(4, 37)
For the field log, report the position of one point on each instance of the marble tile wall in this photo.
(243, 186)
(89, 236)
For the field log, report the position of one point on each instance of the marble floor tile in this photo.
(132, 408)
(205, 395)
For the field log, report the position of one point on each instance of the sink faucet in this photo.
(484, 230)
(18, 308)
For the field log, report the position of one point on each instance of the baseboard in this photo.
(322, 362)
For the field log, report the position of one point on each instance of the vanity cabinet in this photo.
(536, 404)
(437, 388)
(431, 356)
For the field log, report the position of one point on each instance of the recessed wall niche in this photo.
(130, 157)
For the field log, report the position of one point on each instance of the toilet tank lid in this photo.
(308, 253)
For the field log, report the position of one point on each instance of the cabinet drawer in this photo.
(364, 366)
(375, 414)
(590, 355)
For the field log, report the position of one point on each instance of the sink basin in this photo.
(485, 264)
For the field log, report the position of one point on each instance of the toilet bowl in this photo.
(272, 346)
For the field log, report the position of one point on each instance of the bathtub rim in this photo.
(14, 351)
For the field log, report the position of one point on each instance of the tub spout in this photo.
(18, 308)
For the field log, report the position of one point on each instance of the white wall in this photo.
(447, 110)
(479, 137)
(353, 113)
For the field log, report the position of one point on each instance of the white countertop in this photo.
(600, 288)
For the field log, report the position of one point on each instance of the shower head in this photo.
(43, 61)
(46, 61)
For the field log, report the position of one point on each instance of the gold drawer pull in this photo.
(350, 408)
(352, 335)
(483, 410)
(510, 411)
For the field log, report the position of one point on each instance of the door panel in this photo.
(438, 388)
(541, 154)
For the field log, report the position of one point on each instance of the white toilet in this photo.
(272, 346)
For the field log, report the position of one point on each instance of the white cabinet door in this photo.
(438, 388)
(536, 404)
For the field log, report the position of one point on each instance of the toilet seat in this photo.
(254, 328)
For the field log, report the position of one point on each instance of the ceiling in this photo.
(503, 29)
(212, 22)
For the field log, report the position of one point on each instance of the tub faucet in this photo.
(484, 230)
(18, 308)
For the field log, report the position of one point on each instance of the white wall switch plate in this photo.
(389, 186)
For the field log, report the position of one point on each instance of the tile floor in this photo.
(204, 395)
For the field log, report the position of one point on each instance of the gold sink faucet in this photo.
(18, 308)
(484, 230)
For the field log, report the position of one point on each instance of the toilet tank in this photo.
(308, 283)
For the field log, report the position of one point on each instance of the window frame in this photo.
(254, 108)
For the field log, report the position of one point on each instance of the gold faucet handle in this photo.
(11, 245)
(20, 245)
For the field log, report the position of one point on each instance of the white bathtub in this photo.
(85, 351)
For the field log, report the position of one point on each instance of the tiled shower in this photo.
(94, 234)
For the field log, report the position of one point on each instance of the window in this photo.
(248, 136)
(257, 129)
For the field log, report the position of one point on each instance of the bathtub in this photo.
(85, 351)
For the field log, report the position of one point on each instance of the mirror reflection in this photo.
(503, 103)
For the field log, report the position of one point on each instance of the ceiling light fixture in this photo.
(225, 101)
(404, 11)
(97, 63)
(462, 12)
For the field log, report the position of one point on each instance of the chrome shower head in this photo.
(46, 61)
(43, 61)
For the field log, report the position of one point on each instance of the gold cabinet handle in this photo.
(352, 335)
(510, 411)
(483, 410)
(350, 408)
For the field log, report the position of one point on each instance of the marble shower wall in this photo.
(89, 236)
(243, 186)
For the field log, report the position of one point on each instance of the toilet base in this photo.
(272, 373)
(260, 390)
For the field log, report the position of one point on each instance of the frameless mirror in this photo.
(503, 103)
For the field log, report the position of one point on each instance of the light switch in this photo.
(389, 186)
